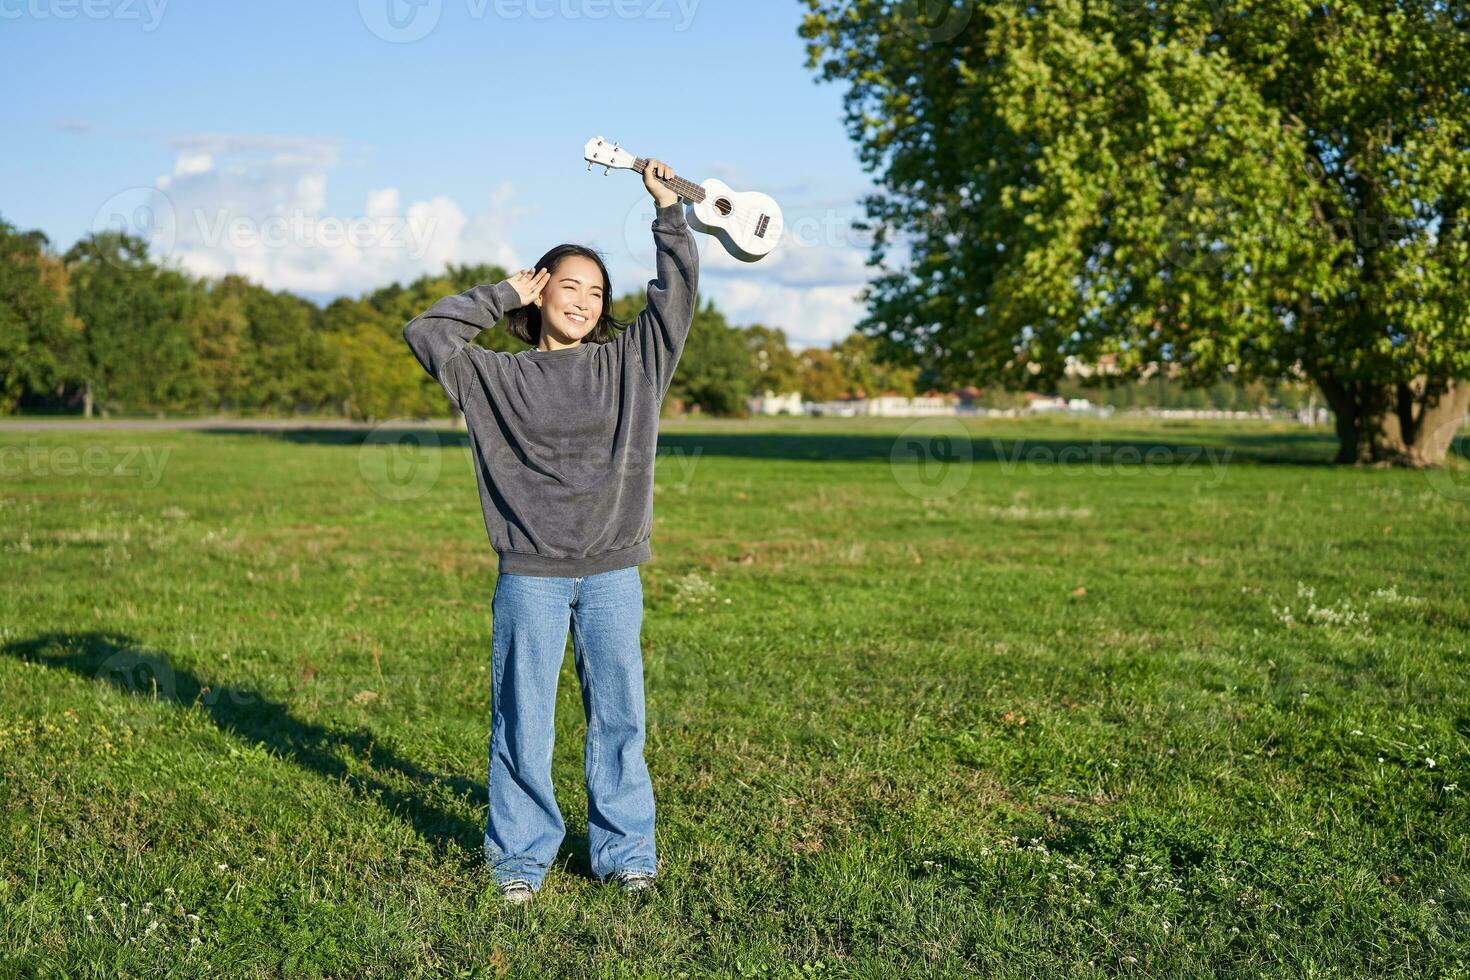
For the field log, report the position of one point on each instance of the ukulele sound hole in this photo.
(723, 206)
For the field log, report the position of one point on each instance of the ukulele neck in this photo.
(686, 190)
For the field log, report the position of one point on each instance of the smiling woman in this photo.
(569, 304)
(564, 436)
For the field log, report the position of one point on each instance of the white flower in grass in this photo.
(1451, 787)
(1429, 762)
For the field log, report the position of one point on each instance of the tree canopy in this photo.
(1227, 189)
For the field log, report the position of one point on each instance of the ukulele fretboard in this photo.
(686, 190)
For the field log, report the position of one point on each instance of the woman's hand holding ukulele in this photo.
(662, 195)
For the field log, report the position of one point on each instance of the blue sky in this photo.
(330, 147)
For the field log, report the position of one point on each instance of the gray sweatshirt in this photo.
(564, 440)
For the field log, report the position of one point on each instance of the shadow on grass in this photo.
(257, 721)
(936, 443)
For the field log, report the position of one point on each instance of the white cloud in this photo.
(193, 164)
(811, 317)
(256, 205)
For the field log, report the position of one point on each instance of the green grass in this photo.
(1159, 705)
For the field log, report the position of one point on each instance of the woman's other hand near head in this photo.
(528, 285)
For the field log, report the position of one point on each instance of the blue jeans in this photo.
(531, 615)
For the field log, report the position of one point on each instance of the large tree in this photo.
(869, 376)
(774, 366)
(136, 353)
(39, 337)
(1234, 188)
(288, 363)
(714, 369)
(822, 376)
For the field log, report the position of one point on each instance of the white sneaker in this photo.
(635, 881)
(517, 892)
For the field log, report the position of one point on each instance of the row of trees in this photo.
(104, 326)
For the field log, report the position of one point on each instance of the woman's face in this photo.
(571, 301)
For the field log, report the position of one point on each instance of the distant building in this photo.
(770, 403)
(888, 405)
(1037, 402)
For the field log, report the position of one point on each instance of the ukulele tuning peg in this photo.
(589, 166)
(607, 171)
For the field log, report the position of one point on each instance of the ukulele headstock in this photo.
(599, 150)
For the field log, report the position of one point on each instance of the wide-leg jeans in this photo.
(531, 616)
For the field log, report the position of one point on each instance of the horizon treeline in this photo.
(104, 329)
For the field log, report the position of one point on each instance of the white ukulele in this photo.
(747, 223)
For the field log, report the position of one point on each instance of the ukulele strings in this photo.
(736, 216)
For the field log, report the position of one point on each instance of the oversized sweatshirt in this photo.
(564, 441)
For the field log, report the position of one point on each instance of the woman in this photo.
(563, 438)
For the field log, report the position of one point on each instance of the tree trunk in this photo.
(1410, 423)
(87, 400)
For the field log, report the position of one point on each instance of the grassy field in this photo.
(1056, 698)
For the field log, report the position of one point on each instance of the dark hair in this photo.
(524, 323)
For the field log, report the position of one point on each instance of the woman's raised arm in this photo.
(660, 331)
